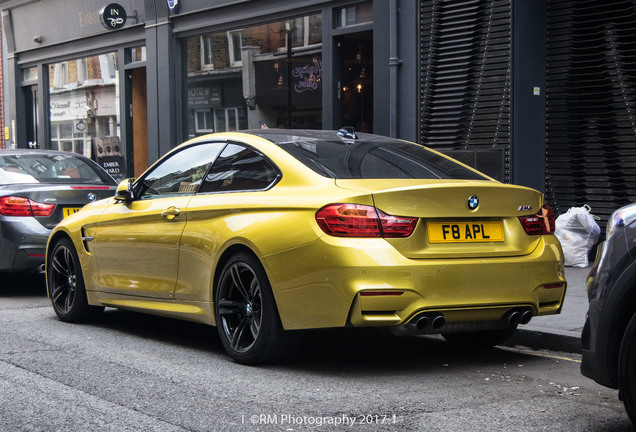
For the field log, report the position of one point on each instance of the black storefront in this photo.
(162, 75)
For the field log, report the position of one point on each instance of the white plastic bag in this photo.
(578, 232)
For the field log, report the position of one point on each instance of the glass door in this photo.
(356, 80)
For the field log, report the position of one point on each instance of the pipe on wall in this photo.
(394, 64)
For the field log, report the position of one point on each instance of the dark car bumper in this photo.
(610, 291)
(593, 362)
(22, 243)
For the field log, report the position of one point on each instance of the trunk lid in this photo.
(447, 227)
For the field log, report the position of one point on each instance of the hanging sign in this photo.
(173, 5)
(113, 16)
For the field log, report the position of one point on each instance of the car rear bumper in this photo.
(373, 285)
(595, 362)
(22, 243)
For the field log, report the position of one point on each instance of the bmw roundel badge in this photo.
(91, 196)
(473, 202)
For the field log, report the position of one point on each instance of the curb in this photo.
(539, 340)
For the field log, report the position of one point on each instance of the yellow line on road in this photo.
(536, 354)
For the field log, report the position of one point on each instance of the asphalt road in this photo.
(131, 372)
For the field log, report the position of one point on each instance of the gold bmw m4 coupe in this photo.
(265, 233)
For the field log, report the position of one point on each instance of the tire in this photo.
(246, 315)
(627, 369)
(480, 339)
(66, 285)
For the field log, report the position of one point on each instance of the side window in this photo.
(239, 168)
(181, 173)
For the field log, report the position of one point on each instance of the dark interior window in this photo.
(369, 156)
(239, 169)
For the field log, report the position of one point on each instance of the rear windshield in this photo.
(50, 168)
(374, 158)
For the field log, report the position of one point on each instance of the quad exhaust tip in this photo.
(434, 322)
(526, 316)
(518, 316)
(425, 322)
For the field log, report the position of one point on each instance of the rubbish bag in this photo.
(578, 232)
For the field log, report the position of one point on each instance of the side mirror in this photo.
(124, 191)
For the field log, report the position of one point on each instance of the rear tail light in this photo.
(355, 220)
(539, 224)
(381, 293)
(20, 206)
(90, 187)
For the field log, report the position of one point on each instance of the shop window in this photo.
(84, 102)
(135, 54)
(305, 31)
(354, 15)
(240, 76)
(30, 74)
(314, 29)
(297, 28)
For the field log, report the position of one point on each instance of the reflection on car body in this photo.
(266, 233)
(609, 334)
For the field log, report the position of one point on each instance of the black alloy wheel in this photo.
(246, 314)
(627, 369)
(66, 284)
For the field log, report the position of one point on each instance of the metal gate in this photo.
(465, 82)
(591, 105)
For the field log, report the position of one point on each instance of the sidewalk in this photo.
(560, 332)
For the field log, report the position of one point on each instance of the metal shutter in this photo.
(590, 105)
(465, 81)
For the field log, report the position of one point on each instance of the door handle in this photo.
(171, 212)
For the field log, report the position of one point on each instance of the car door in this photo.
(136, 243)
(228, 205)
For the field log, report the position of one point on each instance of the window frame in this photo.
(140, 186)
(232, 47)
(205, 45)
(207, 128)
(226, 114)
(274, 166)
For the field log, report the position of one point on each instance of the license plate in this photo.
(67, 211)
(465, 232)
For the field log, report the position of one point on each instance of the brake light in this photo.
(380, 293)
(91, 187)
(20, 206)
(539, 224)
(553, 286)
(355, 220)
